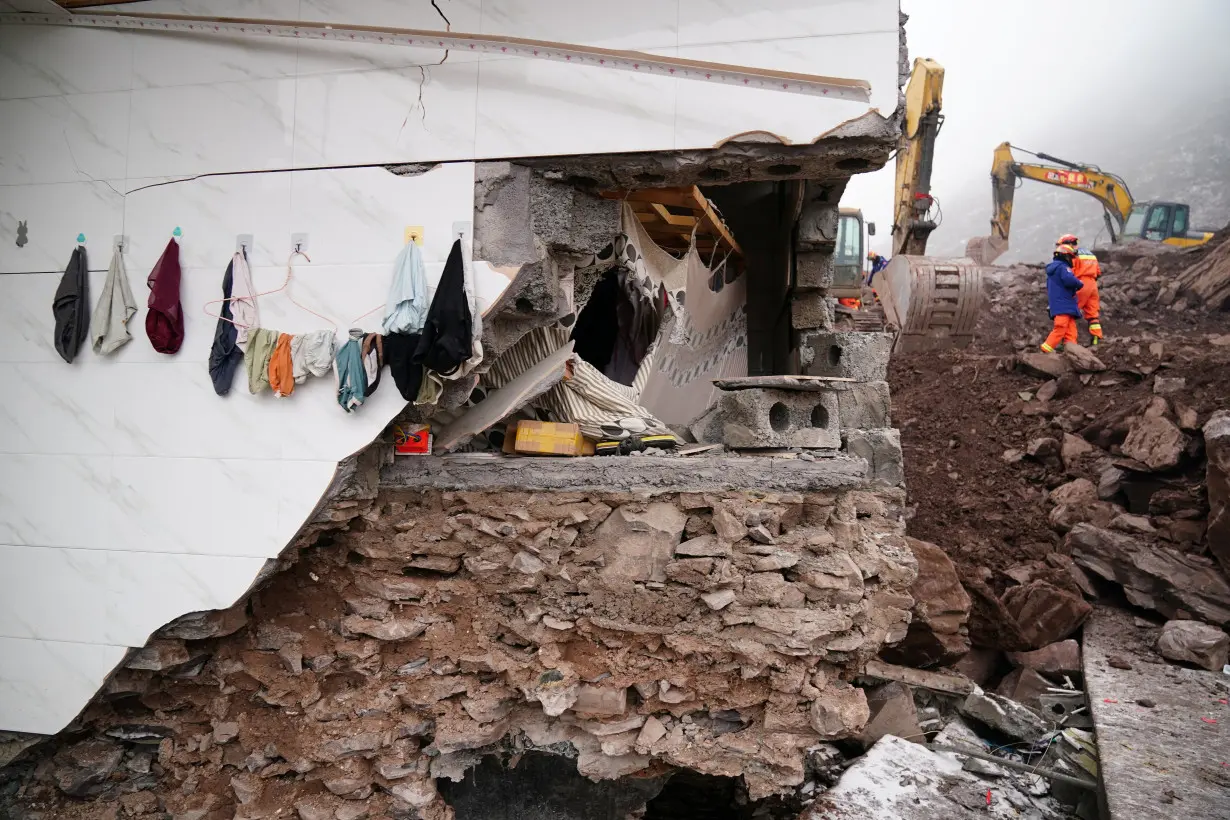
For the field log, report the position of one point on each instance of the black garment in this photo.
(598, 324)
(71, 306)
(225, 357)
(447, 340)
(399, 353)
(617, 326)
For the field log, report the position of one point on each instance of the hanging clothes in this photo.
(115, 308)
(164, 321)
(399, 353)
(311, 354)
(71, 305)
(446, 341)
(225, 355)
(406, 309)
(261, 343)
(243, 300)
(351, 379)
(281, 371)
(372, 352)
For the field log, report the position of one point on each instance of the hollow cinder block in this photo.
(813, 270)
(763, 418)
(846, 354)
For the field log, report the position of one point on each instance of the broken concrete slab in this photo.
(1004, 715)
(1194, 642)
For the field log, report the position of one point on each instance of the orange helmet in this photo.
(872, 255)
(1068, 239)
(1064, 249)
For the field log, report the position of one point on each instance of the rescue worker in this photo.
(1061, 289)
(1086, 268)
(878, 263)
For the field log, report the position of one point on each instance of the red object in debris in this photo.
(1224, 702)
(1109, 700)
(1208, 720)
(988, 797)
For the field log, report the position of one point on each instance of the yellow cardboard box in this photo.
(549, 438)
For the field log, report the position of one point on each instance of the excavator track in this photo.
(931, 303)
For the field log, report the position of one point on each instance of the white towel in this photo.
(109, 324)
(406, 309)
(243, 300)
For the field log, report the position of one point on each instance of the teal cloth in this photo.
(406, 310)
(351, 378)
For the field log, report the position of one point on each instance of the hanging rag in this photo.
(243, 301)
(446, 341)
(351, 379)
(430, 389)
(114, 309)
(311, 354)
(399, 353)
(225, 356)
(372, 352)
(281, 371)
(261, 343)
(407, 304)
(164, 321)
(71, 305)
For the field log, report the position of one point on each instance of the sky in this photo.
(1080, 79)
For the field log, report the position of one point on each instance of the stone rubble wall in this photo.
(632, 632)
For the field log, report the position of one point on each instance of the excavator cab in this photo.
(848, 255)
(1167, 222)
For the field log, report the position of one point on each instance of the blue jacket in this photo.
(1061, 288)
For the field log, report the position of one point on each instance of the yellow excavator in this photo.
(932, 303)
(1168, 222)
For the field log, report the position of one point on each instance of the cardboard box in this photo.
(548, 438)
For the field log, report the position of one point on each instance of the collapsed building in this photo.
(590, 633)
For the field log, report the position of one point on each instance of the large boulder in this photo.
(1156, 442)
(1046, 614)
(1194, 642)
(1063, 658)
(1043, 365)
(937, 632)
(1176, 584)
(1081, 359)
(637, 545)
(1217, 449)
(991, 625)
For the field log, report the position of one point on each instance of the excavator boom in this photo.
(912, 224)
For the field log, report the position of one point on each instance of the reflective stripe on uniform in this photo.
(1047, 348)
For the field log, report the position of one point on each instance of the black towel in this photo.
(446, 341)
(225, 357)
(71, 306)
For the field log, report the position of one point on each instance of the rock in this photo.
(1194, 642)
(1072, 448)
(990, 623)
(1045, 613)
(600, 700)
(1046, 451)
(84, 769)
(937, 632)
(978, 664)
(957, 733)
(1139, 524)
(839, 712)
(1062, 658)
(638, 545)
(1004, 715)
(1217, 450)
(159, 656)
(720, 599)
(1047, 391)
(704, 546)
(1043, 365)
(199, 626)
(1188, 420)
(1165, 385)
(761, 535)
(780, 559)
(1155, 442)
(1110, 482)
(1158, 578)
(394, 629)
(891, 712)
(1079, 577)
(1081, 359)
(651, 733)
(1080, 491)
(728, 527)
(1024, 686)
(225, 731)
(1013, 456)
(526, 563)
(1118, 662)
(247, 787)
(390, 587)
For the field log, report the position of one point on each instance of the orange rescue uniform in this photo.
(1063, 332)
(1086, 268)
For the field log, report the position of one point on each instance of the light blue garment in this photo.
(351, 378)
(406, 310)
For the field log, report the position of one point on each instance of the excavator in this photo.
(931, 302)
(1168, 222)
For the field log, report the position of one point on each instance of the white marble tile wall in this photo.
(129, 492)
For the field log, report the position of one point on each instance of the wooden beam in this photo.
(715, 221)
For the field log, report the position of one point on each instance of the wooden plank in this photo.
(951, 683)
(674, 219)
(714, 221)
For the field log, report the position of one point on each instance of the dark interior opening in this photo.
(616, 327)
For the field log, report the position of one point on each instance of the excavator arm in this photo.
(912, 221)
(1108, 189)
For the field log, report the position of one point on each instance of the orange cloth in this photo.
(1063, 332)
(281, 371)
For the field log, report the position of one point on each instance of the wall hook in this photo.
(178, 232)
(80, 239)
(120, 243)
(299, 241)
(243, 243)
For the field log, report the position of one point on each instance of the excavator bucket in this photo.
(932, 303)
(984, 250)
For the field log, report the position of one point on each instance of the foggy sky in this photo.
(1081, 79)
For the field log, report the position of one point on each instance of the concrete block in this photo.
(847, 354)
(881, 449)
(812, 311)
(813, 270)
(566, 218)
(761, 418)
(817, 227)
(865, 405)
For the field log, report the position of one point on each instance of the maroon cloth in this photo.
(164, 322)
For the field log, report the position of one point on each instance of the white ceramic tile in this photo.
(54, 215)
(55, 500)
(708, 114)
(63, 139)
(108, 597)
(26, 324)
(377, 116)
(359, 215)
(211, 212)
(302, 485)
(642, 25)
(44, 61)
(703, 22)
(239, 126)
(317, 57)
(590, 110)
(56, 409)
(44, 684)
